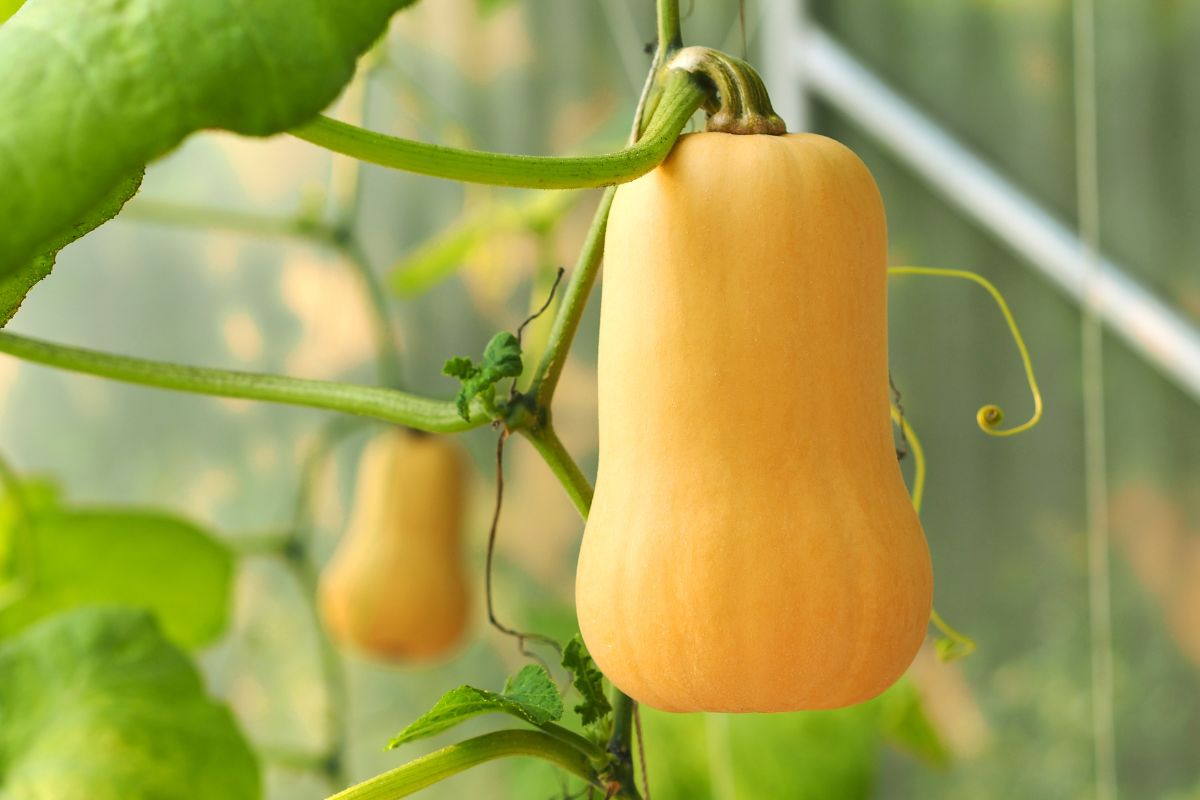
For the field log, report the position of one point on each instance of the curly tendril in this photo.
(952, 645)
(918, 454)
(990, 416)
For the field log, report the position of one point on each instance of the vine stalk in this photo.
(441, 764)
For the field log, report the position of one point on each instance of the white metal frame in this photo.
(801, 60)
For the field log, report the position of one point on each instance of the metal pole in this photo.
(783, 73)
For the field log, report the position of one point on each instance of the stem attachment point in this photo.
(740, 104)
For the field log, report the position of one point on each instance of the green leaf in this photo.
(97, 705)
(460, 367)
(95, 89)
(8, 8)
(501, 359)
(14, 286)
(502, 356)
(587, 680)
(903, 723)
(127, 557)
(529, 695)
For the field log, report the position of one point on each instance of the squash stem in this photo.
(619, 744)
(742, 105)
(550, 447)
(570, 310)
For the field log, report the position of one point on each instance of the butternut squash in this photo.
(751, 545)
(395, 587)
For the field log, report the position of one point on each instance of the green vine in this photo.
(682, 95)
(389, 405)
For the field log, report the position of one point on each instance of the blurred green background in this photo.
(1004, 517)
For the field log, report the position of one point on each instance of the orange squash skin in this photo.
(395, 587)
(751, 545)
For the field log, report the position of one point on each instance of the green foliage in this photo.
(59, 558)
(587, 680)
(903, 723)
(14, 286)
(95, 89)
(8, 8)
(814, 754)
(98, 705)
(501, 359)
(529, 695)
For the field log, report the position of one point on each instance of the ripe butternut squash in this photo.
(751, 545)
(395, 587)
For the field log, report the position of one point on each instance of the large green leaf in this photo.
(70, 557)
(95, 89)
(97, 705)
(14, 286)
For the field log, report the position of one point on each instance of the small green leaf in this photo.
(501, 359)
(529, 695)
(502, 356)
(903, 723)
(536, 693)
(460, 367)
(14, 286)
(98, 705)
(587, 680)
(131, 557)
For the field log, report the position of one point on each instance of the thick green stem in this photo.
(441, 764)
(390, 405)
(570, 310)
(544, 438)
(620, 744)
(594, 752)
(681, 96)
(669, 35)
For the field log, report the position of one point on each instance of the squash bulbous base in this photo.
(751, 544)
